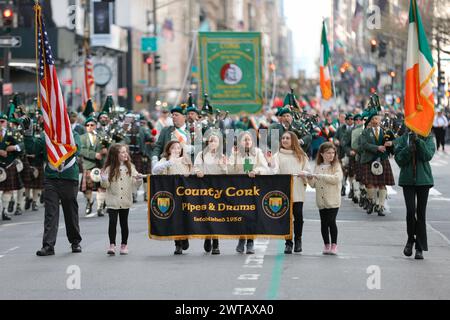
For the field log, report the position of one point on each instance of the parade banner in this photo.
(231, 70)
(230, 206)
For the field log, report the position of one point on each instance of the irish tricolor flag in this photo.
(419, 98)
(325, 79)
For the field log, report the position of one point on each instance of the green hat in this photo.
(3, 116)
(283, 111)
(277, 113)
(109, 105)
(348, 116)
(100, 114)
(207, 107)
(88, 109)
(357, 116)
(142, 117)
(90, 119)
(180, 109)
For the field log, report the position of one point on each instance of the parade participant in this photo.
(93, 152)
(377, 172)
(61, 187)
(355, 156)
(119, 176)
(10, 150)
(211, 161)
(246, 158)
(178, 132)
(147, 142)
(327, 181)
(163, 121)
(341, 140)
(413, 154)
(36, 161)
(174, 161)
(75, 124)
(440, 125)
(292, 160)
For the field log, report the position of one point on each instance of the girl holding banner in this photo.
(246, 158)
(173, 162)
(211, 161)
(292, 160)
(327, 180)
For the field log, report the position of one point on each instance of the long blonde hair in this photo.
(295, 147)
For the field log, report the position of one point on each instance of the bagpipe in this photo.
(304, 122)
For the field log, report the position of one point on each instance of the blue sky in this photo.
(304, 17)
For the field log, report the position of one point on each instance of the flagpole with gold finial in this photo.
(37, 14)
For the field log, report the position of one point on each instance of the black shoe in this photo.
(89, 207)
(355, 199)
(5, 217)
(298, 245)
(370, 208)
(45, 251)
(419, 255)
(288, 248)
(207, 245)
(366, 204)
(408, 249)
(28, 202)
(215, 251)
(76, 248)
(178, 249)
(185, 244)
(145, 197)
(250, 248)
(34, 206)
(240, 246)
(100, 212)
(351, 194)
(343, 191)
(11, 206)
(361, 202)
(381, 211)
(41, 197)
(18, 212)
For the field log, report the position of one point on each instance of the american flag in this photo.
(88, 79)
(59, 138)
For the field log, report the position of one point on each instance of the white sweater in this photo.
(236, 163)
(209, 164)
(285, 162)
(328, 186)
(171, 167)
(119, 193)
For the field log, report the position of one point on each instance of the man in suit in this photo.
(61, 186)
(374, 149)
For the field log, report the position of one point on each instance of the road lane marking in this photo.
(439, 233)
(434, 192)
(244, 291)
(276, 272)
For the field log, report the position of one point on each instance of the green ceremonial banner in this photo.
(231, 70)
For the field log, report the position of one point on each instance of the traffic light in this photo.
(157, 62)
(139, 98)
(383, 49)
(373, 45)
(8, 17)
(147, 58)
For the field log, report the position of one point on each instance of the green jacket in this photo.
(369, 146)
(35, 145)
(425, 149)
(10, 140)
(88, 152)
(164, 137)
(144, 141)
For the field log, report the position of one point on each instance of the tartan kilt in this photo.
(37, 183)
(352, 167)
(385, 179)
(86, 182)
(27, 174)
(142, 163)
(358, 173)
(13, 180)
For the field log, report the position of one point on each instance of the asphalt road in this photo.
(370, 263)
